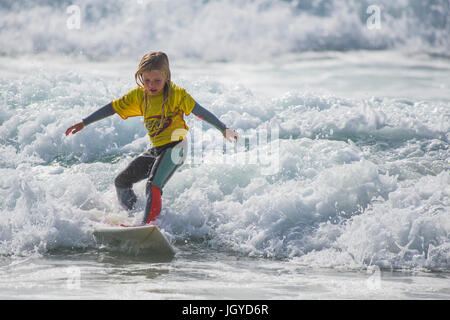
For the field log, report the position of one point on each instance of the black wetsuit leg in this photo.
(139, 169)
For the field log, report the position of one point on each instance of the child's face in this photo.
(153, 81)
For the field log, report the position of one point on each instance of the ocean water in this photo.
(338, 188)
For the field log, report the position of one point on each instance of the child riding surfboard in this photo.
(163, 106)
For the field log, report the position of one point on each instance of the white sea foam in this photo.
(359, 181)
(220, 30)
(408, 230)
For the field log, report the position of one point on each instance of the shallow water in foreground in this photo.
(205, 274)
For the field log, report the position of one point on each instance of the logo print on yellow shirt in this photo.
(152, 125)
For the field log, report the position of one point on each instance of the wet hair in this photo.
(155, 61)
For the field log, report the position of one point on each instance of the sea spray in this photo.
(227, 30)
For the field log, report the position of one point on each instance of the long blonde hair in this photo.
(155, 61)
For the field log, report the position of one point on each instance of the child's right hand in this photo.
(75, 128)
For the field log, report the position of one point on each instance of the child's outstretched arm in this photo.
(204, 114)
(101, 113)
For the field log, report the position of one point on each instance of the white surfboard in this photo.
(147, 237)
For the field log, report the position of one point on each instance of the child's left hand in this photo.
(230, 134)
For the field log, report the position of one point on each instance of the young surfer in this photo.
(163, 106)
